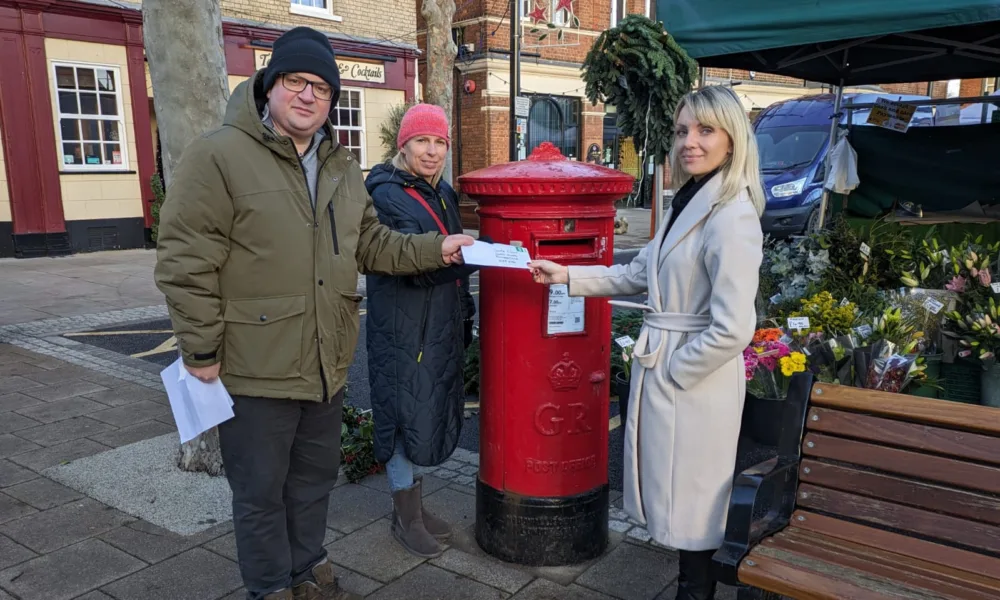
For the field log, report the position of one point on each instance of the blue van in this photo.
(793, 137)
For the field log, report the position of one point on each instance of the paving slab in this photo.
(11, 422)
(60, 432)
(63, 391)
(12, 474)
(61, 374)
(154, 544)
(42, 493)
(17, 383)
(12, 553)
(15, 401)
(355, 582)
(69, 572)
(457, 508)
(12, 509)
(123, 394)
(484, 570)
(543, 589)
(18, 368)
(62, 409)
(631, 572)
(97, 595)
(380, 482)
(11, 445)
(194, 575)
(142, 479)
(65, 525)
(372, 552)
(723, 592)
(41, 459)
(133, 434)
(353, 506)
(131, 414)
(428, 582)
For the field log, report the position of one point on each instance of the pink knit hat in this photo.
(423, 119)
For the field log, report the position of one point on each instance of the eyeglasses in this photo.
(294, 83)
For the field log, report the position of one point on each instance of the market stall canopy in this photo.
(854, 42)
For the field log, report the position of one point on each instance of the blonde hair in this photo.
(719, 106)
(399, 161)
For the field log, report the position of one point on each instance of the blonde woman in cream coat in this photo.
(688, 383)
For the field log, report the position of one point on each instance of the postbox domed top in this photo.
(546, 173)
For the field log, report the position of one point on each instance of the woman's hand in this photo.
(548, 272)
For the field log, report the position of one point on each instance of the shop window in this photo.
(555, 119)
(320, 9)
(618, 12)
(91, 118)
(349, 122)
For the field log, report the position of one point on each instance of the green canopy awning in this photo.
(854, 42)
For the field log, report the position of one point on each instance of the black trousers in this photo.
(281, 459)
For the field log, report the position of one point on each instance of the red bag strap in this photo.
(416, 196)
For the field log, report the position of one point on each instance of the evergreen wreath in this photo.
(638, 68)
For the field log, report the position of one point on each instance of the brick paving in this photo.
(61, 401)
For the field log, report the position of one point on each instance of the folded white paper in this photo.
(197, 406)
(496, 255)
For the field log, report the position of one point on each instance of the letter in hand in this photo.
(206, 374)
(547, 272)
(451, 249)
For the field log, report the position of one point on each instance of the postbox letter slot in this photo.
(575, 246)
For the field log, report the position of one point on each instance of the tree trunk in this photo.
(187, 65)
(441, 51)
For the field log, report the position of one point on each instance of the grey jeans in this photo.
(281, 459)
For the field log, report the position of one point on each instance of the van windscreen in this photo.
(783, 148)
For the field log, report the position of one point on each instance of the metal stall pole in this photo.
(835, 123)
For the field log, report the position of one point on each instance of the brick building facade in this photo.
(78, 140)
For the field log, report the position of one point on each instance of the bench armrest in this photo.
(763, 496)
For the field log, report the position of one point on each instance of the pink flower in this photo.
(985, 278)
(957, 284)
(769, 363)
(781, 348)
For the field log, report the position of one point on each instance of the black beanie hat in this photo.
(304, 50)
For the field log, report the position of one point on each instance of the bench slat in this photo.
(935, 568)
(970, 417)
(955, 558)
(903, 518)
(882, 565)
(904, 462)
(940, 499)
(804, 578)
(926, 438)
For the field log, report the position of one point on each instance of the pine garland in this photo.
(638, 68)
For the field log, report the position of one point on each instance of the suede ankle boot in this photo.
(435, 525)
(408, 524)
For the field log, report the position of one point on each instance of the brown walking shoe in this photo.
(434, 524)
(408, 524)
(285, 594)
(326, 586)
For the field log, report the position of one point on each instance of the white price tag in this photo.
(933, 305)
(864, 331)
(866, 251)
(798, 323)
(996, 288)
(845, 302)
(625, 341)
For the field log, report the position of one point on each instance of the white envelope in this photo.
(496, 255)
(197, 406)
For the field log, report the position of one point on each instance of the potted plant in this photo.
(770, 364)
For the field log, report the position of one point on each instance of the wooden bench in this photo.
(872, 496)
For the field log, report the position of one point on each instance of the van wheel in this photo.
(812, 221)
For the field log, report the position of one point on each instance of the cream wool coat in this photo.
(688, 379)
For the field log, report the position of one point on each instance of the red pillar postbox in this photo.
(542, 491)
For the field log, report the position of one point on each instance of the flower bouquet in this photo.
(770, 363)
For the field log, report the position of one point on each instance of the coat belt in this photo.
(662, 321)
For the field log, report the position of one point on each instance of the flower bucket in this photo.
(762, 419)
(990, 382)
(621, 386)
(933, 371)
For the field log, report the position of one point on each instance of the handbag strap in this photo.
(416, 196)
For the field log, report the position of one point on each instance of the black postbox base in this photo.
(542, 532)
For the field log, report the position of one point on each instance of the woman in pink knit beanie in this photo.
(417, 330)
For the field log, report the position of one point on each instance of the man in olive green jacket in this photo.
(264, 230)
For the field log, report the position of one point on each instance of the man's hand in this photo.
(451, 249)
(205, 374)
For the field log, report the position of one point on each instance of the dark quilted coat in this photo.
(415, 331)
